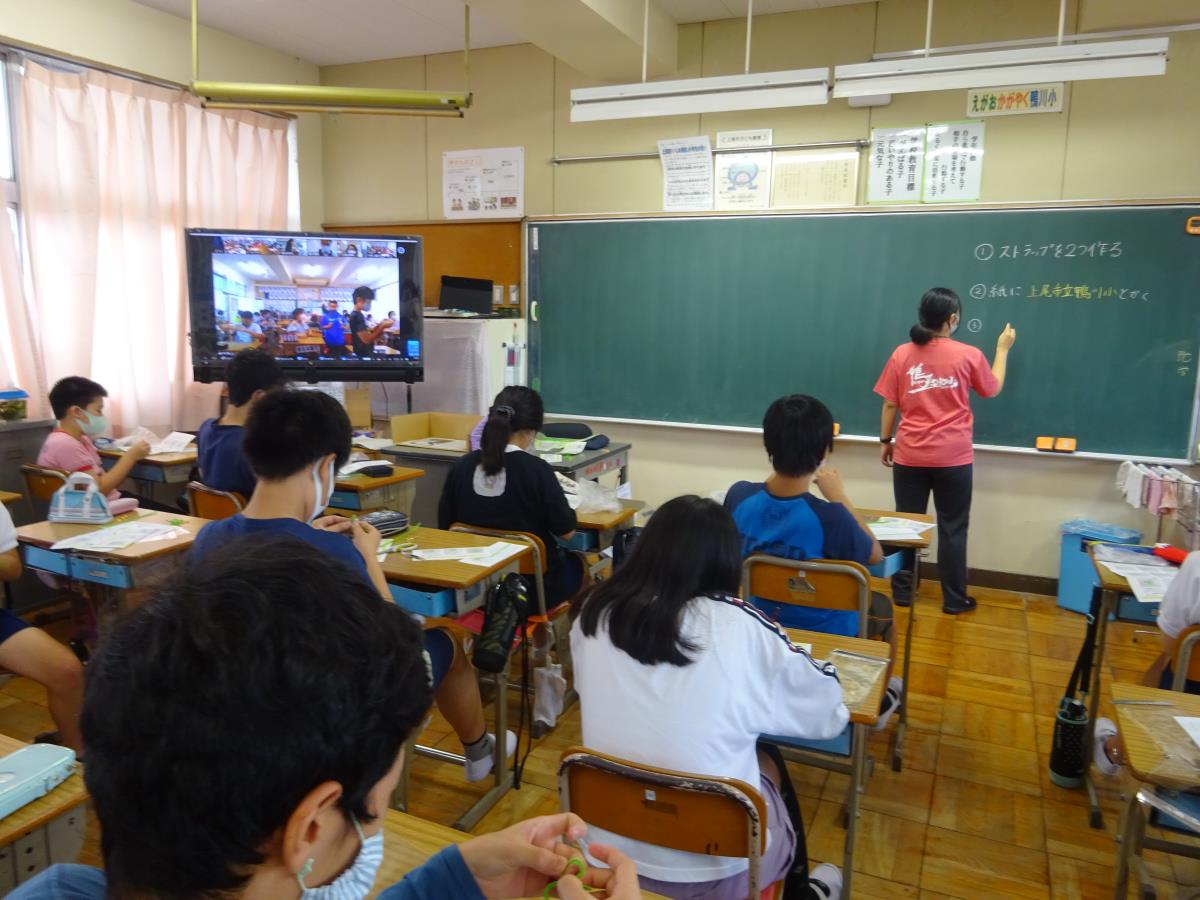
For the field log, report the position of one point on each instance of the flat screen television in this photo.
(292, 295)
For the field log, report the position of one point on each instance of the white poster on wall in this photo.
(484, 184)
(815, 178)
(895, 165)
(953, 162)
(743, 180)
(687, 166)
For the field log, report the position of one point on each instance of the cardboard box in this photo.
(414, 426)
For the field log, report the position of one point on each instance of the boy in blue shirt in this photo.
(223, 466)
(296, 440)
(781, 517)
(245, 729)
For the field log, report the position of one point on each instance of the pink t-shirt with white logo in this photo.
(932, 386)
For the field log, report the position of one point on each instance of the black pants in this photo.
(951, 487)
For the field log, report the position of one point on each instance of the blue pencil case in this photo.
(32, 772)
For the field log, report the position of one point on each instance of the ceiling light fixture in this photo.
(1079, 62)
(725, 93)
(688, 96)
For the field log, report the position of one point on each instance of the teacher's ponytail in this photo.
(515, 409)
(937, 306)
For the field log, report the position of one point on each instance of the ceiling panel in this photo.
(359, 30)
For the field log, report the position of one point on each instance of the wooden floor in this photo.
(973, 814)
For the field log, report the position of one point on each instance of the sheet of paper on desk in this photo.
(175, 442)
(1125, 570)
(1107, 554)
(436, 443)
(1151, 588)
(443, 553)
(1190, 724)
(888, 529)
(497, 553)
(117, 537)
(352, 468)
(371, 443)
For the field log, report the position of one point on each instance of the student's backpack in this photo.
(506, 610)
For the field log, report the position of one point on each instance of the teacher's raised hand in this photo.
(1007, 338)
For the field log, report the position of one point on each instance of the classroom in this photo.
(429, 430)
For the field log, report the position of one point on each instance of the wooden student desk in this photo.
(364, 493)
(1106, 601)
(169, 468)
(1161, 755)
(864, 713)
(409, 844)
(912, 550)
(8, 498)
(49, 830)
(470, 585)
(605, 525)
(114, 573)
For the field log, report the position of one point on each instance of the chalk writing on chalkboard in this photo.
(1058, 291)
(1096, 249)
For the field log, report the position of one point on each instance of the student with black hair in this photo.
(362, 335)
(782, 517)
(295, 441)
(504, 486)
(928, 383)
(674, 671)
(223, 466)
(299, 322)
(78, 405)
(246, 727)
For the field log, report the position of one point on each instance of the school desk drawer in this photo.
(423, 602)
(890, 564)
(111, 574)
(46, 560)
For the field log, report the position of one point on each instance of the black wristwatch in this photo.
(884, 440)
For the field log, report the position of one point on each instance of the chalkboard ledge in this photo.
(871, 439)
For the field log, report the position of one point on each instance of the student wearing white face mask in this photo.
(246, 728)
(78, 405)
(295, 442)
(928, 383)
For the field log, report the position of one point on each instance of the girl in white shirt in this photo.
(674, 671)
(1179, 610)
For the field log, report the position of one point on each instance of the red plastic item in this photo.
(1171, 554)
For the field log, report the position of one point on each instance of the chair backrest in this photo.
(41, 483)
(209, 503)
(529, 565)
(813, 583)
(1186, 664)
(675, 810)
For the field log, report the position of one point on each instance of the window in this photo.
(8, 181)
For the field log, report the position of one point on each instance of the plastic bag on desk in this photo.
(594, 498)
(549, 691)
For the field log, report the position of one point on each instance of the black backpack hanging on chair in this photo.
(506, 611)
(1069, 755)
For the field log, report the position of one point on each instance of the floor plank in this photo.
(972, 814)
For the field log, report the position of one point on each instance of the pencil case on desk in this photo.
(32, 772)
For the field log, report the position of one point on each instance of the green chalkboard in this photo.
(706, 319)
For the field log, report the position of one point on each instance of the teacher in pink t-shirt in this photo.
(928, 381)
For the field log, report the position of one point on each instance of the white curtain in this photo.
(19, 363)
(111, 172)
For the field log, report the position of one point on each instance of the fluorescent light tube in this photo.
(997, 68)
(725, 93)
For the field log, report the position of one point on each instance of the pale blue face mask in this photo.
(357, 881)
(94, 425)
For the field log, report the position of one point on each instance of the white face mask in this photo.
(357, 881)
(954, 326)
(321, 494)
